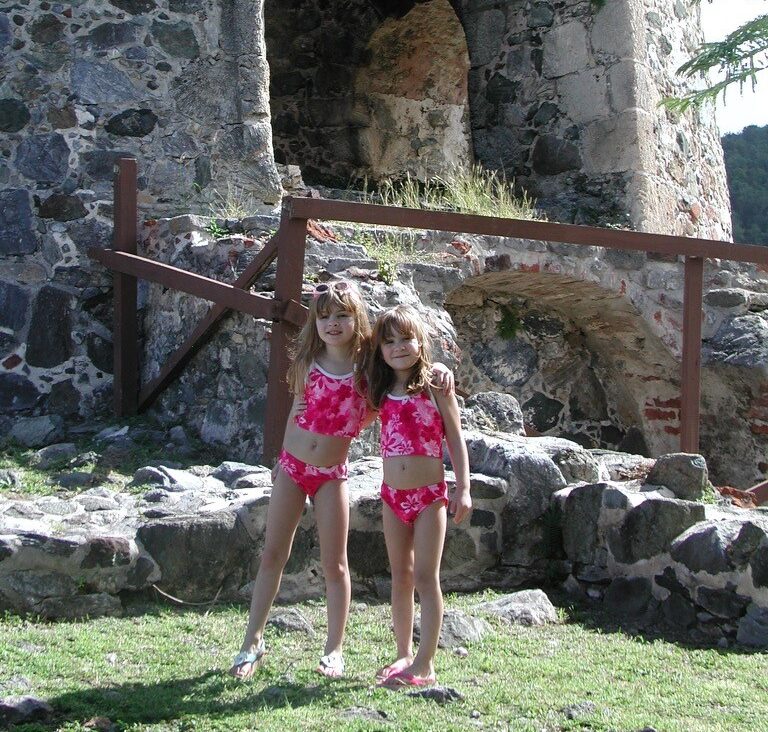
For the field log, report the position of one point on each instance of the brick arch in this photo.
(588, 365)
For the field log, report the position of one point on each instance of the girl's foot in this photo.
(246, 662)
(406, 678)
(393, 668)
(331, 665)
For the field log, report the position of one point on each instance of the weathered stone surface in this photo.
(552, 155)
(753, 627)
(96, 82)
(723, 603)
(577, 465)
(494, 412)
(96, 605)
(107, 552)
(14, 301)
(527, 607)
(628, 596)
(189, 573)
(17, 393)
(581, 521)
(132, 123)
(367, 553)
(685, 475)
(38, 431)
(43, 158)
(24, 590)
(16, 232)
(290, 620)
(135, 7)
(110, 35)
(740, 341)
(460, 629)
(50, 331)
(650, 528)
(14, 115)
(178, 39)
(718, 546)
(61, 207)
(53, 454)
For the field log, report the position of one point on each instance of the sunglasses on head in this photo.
(340, 285)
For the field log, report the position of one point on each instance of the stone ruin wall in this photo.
(563, 97)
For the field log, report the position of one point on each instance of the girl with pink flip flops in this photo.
(415, 419)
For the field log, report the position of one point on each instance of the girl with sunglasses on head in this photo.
(329, 409)
(415, 418)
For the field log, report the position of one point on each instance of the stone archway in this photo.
(581, 360)
(367, 89)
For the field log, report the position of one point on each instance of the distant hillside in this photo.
(746, 163)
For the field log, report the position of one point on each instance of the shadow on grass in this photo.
(649, 626)
(212, 695)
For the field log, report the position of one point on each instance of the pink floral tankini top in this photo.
(411, 425)
(333, 405)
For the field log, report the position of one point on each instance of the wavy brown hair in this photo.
(308, 343)
(406, 321)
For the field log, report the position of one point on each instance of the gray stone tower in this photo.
(211, 94)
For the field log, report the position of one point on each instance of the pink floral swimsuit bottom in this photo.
(408, 503)
(309, 478)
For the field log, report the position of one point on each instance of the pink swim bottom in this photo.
(408, 503)
(308, 477)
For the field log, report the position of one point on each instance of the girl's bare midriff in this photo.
(412, 471)
(314, 448)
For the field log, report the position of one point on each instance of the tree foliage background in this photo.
(746, 164)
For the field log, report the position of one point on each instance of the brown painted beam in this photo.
(125, 329)
(290, 274)
(759, 493)
(205, 328)
(319, 208)
(260, 306)
(690, 372)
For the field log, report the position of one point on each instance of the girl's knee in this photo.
(336, 571)
(426, 581)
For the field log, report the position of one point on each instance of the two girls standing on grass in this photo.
(414, 420)
(329, 409)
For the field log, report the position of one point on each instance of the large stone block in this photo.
(50, 331)
(182, 548)
(17, 235)
(651, 528)
(581, 522)
(566, 50)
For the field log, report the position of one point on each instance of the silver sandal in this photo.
(251, 657)
(332, 665)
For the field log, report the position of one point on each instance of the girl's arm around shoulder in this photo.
(460, 503)
(442, 378)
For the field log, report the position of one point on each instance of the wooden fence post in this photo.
(292, 240)
(125, 329)
(690, 372)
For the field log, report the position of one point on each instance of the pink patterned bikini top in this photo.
(333, 405)
(411, 425)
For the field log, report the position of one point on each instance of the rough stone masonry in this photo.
(211, 95)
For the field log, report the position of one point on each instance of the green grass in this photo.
(163, 669)
(463, 190)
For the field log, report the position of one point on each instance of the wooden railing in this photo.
(285, 310)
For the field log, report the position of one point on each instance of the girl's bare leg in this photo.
(429, 536)
(332, 516)
(399, 540)
(283, 515)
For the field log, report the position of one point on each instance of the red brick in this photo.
(660, 414)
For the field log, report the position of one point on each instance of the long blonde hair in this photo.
(308, 343)
(406, 321)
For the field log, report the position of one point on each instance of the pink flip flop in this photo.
(405, 678)
(393, 668)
